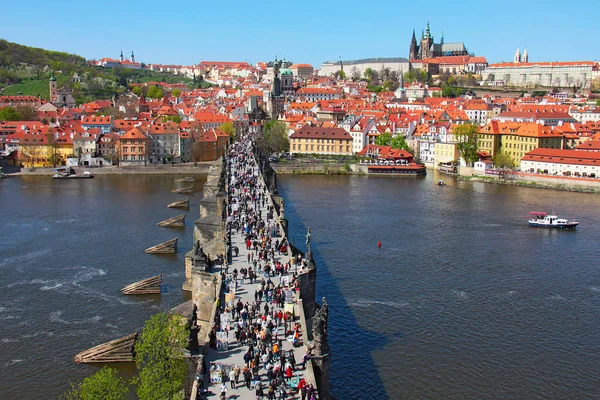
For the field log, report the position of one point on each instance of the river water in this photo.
(463, 300)
(66, 250)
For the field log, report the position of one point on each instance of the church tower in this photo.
(525, 57)
(121, 55)
(425, 50)
(53, 89)
(517, 56)
(412, 53)
(132, 57)
(276, 99)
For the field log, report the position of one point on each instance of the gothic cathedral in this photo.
(427, 48)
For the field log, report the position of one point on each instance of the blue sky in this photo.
(183, 32)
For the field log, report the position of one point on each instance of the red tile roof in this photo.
(557, 156)
(314, 132)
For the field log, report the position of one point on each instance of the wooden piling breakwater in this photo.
(184, 190)
(180, 204)
(118, 350)
(145, 286)
(168, 247)
(178, 220)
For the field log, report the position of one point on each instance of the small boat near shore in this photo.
(69, 173)
(543, 220)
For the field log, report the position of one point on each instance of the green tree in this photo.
(159, 357)
(368, 74)
(154, 92)
(503, 160)
(229, 129)
(174, 118)
(416, 75)
(105, 384)
(385, 139)
(598, 102)
(274, 139)
(340, 74)
(176, 92)
(466, 137)
(449, 91)
(396, 142)
(26, 113)
(137, 90)
(9, 114)
(399, 142)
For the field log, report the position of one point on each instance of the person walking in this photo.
(223, 395)
(232, 378)
(237, 373)
(247, 377)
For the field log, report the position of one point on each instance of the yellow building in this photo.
(518, 138)
(317, 140)
(33, 149)
(445, 153)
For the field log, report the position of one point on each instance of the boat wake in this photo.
(24, 257)
(13, 362)
(56, 317)
(377, 303)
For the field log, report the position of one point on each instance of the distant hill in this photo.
(14, 55)
(27, 70)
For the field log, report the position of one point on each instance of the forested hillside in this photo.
(26, 70)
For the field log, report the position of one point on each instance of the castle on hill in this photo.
(427, 48)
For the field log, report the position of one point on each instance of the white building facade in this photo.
(549, 74)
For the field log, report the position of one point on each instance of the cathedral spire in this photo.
(442, 39)
(427, 31)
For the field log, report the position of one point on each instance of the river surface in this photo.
(463, 300)
(66, 250)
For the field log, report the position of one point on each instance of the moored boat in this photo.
(397, 169)
(69, 173)
(543, 220)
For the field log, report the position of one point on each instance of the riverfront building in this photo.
(579, 163)
(313, 139)
(132, 148)
(518, 138)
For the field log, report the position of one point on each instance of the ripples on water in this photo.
(464, 300)
(66, 251)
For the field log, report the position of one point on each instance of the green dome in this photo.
(286, 71)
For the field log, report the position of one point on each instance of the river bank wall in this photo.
(568, 184)
(319, 169)
(152, 169)
(210, 238)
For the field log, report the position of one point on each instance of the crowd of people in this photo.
(261, 324)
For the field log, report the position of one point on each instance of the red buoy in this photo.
(378, 245)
